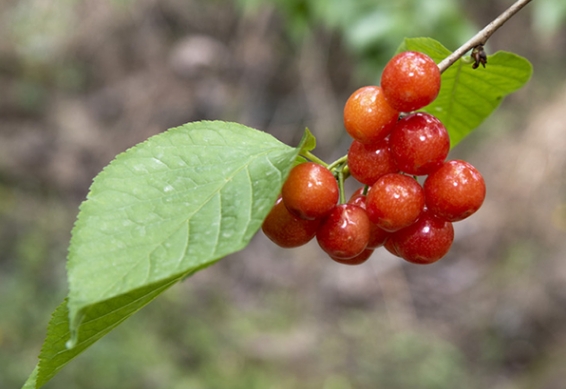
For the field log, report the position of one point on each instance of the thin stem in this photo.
(310, 156)
(337, 162)
(341, 185)
(481, 37)
(346, 171)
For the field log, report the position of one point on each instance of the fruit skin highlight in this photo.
(395, 201)
(455, 190)
(424, 242)
(344, 233)
(391, 145)
(419, 143)
(310, 191)
(410, 81)
(368, 118)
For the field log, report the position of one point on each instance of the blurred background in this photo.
(82, 80)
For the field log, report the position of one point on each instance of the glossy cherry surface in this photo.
(310, 191)
(389, 246)
(287, 230)
(424, 242)
(357, 260)
(410, 81)
(344, 232)
(419, 143)
(368, 162)
(455, 191)
(368, 118)
(394, 201)
(377, 235)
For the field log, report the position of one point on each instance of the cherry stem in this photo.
(341, 184)
(310, 156)
(339, 161)
(481, 37)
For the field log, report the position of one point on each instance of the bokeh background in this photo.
(82, 80)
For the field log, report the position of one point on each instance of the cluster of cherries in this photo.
(391, 147)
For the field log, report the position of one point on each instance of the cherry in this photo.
(357, 260)
(368, 162)
(368, 118)
(287, 230)
(344, 232)
(394, 201)
(389, 246)
(424, 242)
(310, 191)
(410, 81)
(455, 190)
(359, 197)
(377, 235)
(419, 143)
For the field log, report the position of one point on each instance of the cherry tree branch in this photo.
(481, 37)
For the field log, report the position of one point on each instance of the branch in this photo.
(481, 37)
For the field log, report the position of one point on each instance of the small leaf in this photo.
(159, 212)
(433, 48)
(468, 96)
(308, 141)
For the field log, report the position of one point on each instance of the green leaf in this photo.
(468, 96)
(159, 212)
(308, 141)
(31, 382)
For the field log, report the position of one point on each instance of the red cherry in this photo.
(359, 198)
(368, 118)
(390, 246)
(419, 143)
(455, 190)
(394, 201)
(377, 235)
(357, 260)
(410, 81)
(344, 232)
(368, 162)
(425, 241)
(310, 191)
(287, 230)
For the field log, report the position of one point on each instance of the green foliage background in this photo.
(373, 29)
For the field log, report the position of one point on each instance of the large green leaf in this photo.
(468, 96)
(159, 212)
